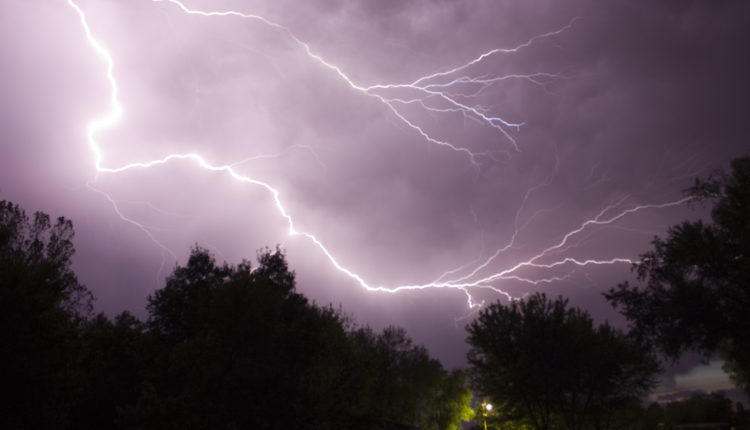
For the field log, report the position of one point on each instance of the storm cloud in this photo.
(621, 107)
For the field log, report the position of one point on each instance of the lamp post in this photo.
(488, 409)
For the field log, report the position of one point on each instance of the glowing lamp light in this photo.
(488, 409)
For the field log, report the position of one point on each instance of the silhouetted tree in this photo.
(224, 347)
(236, 346)
(239, 347)
(41, 306)
(400, 385)
(551, 365)
(452, 406)
(697, 292)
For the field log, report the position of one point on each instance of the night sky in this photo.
(415, 158)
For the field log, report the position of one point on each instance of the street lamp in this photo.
(488, 409)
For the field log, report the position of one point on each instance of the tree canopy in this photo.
(545, 364)
(223, 347)
(697, 280)
(41, 303)
(265, 357)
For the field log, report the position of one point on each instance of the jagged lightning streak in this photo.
(109, 120)
(430, 90)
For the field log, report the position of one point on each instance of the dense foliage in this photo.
(547, 365)
(41, 305)
(697, 280)
(224, 347)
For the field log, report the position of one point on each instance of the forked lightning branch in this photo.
(431, 92)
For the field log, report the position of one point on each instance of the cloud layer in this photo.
(620, 109)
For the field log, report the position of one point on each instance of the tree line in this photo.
(236, 346)
(548, 366)
(223, 347)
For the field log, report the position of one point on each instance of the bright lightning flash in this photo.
(441, 93)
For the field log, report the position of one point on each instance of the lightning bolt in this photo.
(440, 92)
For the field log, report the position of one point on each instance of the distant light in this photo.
(488, 407)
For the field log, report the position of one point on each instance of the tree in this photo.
(396, 384)
(697, 280)
(549, 366)
(409, 378)
(237, 347)
(41, 306)
(452, 403)
(225, 346)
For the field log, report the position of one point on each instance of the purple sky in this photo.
(399, 179)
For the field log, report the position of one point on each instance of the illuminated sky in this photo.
(448, 153)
